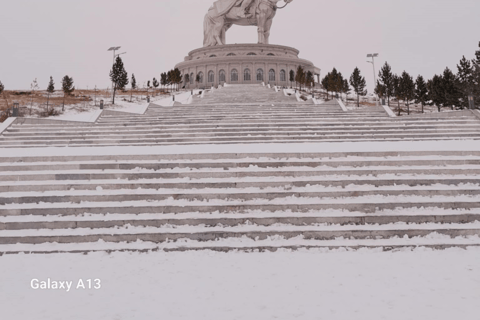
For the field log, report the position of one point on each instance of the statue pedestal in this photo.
(242, 64)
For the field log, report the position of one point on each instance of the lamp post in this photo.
(373, 56)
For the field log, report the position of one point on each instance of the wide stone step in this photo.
(161, 235)
(221, 245)
(308, 204)
(438, 216)
(325, 122)
(270, 133)
(67, 197)
(241, 140)
(29, 132)
(138, 175)
(59, 185)
(296, 164)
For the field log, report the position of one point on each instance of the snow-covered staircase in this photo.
(241, 124)
(233, 201)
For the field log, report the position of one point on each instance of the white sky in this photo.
(46, 38)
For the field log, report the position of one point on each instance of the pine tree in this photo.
(408, 89)
(134, 82)
(300, 77)
(358, 83)
(338, 81)
(119, 77)
(397, 91)
(169, 78)
(155, 83)
(465, 80)
(346, 89)
(380, 90)
(68, 88)
(177, 77)
(436, 92)
(50, 90)
(309, 79)
(386, 79)
(421, 92)
(450, 89)
(292, 77)
(2, 89)
(326, 84)
(134, 86)
(197, 79)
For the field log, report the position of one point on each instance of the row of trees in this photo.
(444, 90)
(172, 78)
(302, 78)
(334, 82)
(67, 87)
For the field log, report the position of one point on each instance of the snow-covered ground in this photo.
(313, 284)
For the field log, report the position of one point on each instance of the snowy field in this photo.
(365, 284)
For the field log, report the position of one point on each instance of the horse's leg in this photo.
(224, 33)
(268, 26)
(218, 30)
(262, 19)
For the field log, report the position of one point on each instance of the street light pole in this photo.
(373, 56)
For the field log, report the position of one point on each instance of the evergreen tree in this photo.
(300, 77)
(2, 90)
(465, 80)
(163, 79)
(346, 89)
(155, 83)
(197, 79)
(169, 78)
(436, 92)
(134, 82)
(338, 81)
(177, 77)
(421, 92)
(119, 77)
(358, 83)
(292, 77)
(309, 79)
(380, 90)
(408, 89)
(133, 85)
(386, 79)
(50, 90)
(450, 89)
(325, 84)
(397, 91)
(68, 88)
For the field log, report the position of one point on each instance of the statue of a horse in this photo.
(216, 25)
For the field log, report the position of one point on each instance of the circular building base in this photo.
(242, 64)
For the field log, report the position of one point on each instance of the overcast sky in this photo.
(43, 38)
